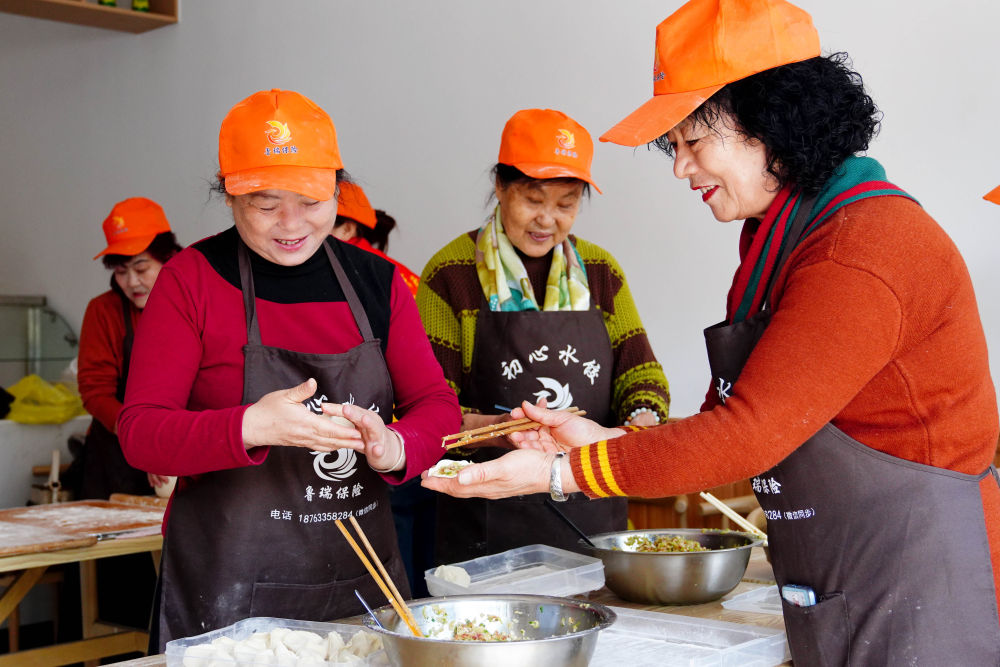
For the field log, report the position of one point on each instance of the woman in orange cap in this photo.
(850, 377)
(139, 244)
(361, 225)
(273, 328)
(520, 309)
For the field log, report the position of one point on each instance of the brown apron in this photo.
(105, 470)
(895, 551)
(565, 357)
(261, 540)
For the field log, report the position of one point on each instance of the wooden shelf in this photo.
(161, 13)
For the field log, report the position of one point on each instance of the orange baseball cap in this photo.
(544, 143)
(706, 44)
(132, 225)
(279, 139)
(993, 195)
(352, 203)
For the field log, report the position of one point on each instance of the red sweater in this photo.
(875, 327)
(183, 412)
(100, 361)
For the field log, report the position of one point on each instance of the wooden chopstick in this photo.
(412, 622)
(397, 605)
(732, 514)
(496, 430)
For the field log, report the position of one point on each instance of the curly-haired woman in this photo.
(850, 376)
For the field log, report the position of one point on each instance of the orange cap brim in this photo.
(127, 247)
(549, 170)
(316, 182)
(993, 195)
(657, 116)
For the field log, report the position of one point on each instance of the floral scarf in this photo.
(505, 281)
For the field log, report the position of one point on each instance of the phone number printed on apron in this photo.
(322, 517)
(789, 515)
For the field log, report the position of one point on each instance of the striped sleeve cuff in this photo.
(592, 470)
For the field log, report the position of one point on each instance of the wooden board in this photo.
(148, 501)
(21, 538)
(84, 518)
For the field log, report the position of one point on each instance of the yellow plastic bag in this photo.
(39, 402)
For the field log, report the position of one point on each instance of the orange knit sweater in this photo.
(875, 327)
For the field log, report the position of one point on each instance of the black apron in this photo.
(896, 551)
(105, 470)
(566, 357)
(261, 540)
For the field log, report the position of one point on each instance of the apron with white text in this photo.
(566, 358)
(895, 551)
(261, 540)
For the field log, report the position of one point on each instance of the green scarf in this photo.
(761, 243)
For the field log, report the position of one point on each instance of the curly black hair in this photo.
(810, 116)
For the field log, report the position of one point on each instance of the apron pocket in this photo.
(819, 635)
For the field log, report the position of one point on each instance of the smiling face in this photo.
(728, 169)
(281, 226)
(136, 277)
(537, 214)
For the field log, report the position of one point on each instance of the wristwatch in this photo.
(555, 479)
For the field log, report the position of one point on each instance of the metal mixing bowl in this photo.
(683, 577)
(556, 631)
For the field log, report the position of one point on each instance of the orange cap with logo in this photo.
(279, 139)
(993, 195)
(706, 44)
(352, 203)
(544, 143)
(132, 225)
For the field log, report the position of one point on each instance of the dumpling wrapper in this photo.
(342, 421)
(453, 574)
(447, 468)
(362, 644)
(334, 642)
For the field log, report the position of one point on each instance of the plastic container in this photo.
(648, 639)
(765, 600)
(536, 569)
(242, 629)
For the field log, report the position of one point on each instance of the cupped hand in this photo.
(516, 473)
(280, 418)
(381, 445)
(560, 430)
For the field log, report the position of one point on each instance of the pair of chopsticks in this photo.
(496, 430)
(393, 596)
(732, 514)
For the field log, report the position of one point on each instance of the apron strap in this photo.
(126, 344)
(360, 317)
(799, 224)
(249, 295)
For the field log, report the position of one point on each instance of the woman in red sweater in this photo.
(850, 377)
(139, 244)
(253, 338)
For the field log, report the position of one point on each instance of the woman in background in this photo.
(520, 309)
(139, 244)
(362, 226)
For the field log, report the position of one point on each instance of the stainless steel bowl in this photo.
(689, 577)
(556, 631)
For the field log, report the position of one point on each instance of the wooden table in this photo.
(78, 543)
(758, 575)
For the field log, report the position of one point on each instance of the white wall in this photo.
(419, 93)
